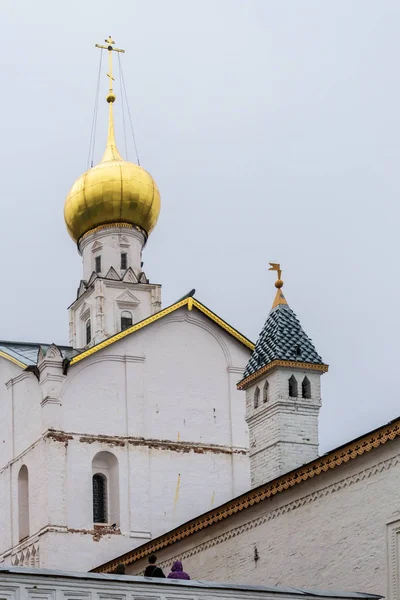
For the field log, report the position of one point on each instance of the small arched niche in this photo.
(266, 392)
(23, 503)
(293, 390)
(256, 397)
(105, 489)
(306, 388)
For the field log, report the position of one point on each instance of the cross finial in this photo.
(111, 152)
(110, 43)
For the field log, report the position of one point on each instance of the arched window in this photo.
(293, 393)
(256, 397)
(306, 388)
(126, 319)
(99, 498)
(23, 503)
(265, 392)
(97, 264)
(105, 481)
(88, 328)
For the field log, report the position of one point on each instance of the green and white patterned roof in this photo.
(282, 338)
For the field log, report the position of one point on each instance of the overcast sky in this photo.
(272, 129)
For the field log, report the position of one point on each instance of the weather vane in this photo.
(110, 43)
(277, 267)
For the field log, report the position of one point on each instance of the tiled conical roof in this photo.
(282, 338)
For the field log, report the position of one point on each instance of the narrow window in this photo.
(293, 387)
(256, 397)
(23, 503)
(298, 351)
(99, 498)
(105, 481)
(88, 332)
(265, 392)
(126, 319)
(306, 388)
(124, 261)
(97, 261)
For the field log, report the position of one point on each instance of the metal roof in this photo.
(282, 338)
(27, 352)
(187, 584)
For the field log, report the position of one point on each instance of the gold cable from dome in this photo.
(115, 191)
(111, 152)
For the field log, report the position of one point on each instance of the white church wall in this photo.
(187, 383)
(6, 540)
(164, 488)
(183, 485)
(26, 399)
(94, 396)
(164, 403)
(170, 380)
(334, 531)
(35, 463)
(8, 371)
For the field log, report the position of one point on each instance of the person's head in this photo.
(177, 566)
(152, 559)
(120, 570)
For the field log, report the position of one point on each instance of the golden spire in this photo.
(279, 298)
(111, 152)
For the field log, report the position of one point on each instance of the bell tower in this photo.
(110, 212)
(283, 394)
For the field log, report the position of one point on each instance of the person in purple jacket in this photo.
(177, 571)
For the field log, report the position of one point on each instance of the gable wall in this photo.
(175, 379)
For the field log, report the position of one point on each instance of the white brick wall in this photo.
(283, 431)
(330, 532)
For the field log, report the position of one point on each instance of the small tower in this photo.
(283, 394)
(109, 212)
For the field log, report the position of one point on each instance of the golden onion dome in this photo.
(114, 191)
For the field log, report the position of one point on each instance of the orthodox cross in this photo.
(110, 43)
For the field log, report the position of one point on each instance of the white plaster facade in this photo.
(162, 402)
(340, 529)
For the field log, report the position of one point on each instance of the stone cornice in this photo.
(107, 229)
(332, 460)
(169, 445)
(290, 364)
(24, 375)
(114, 283)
